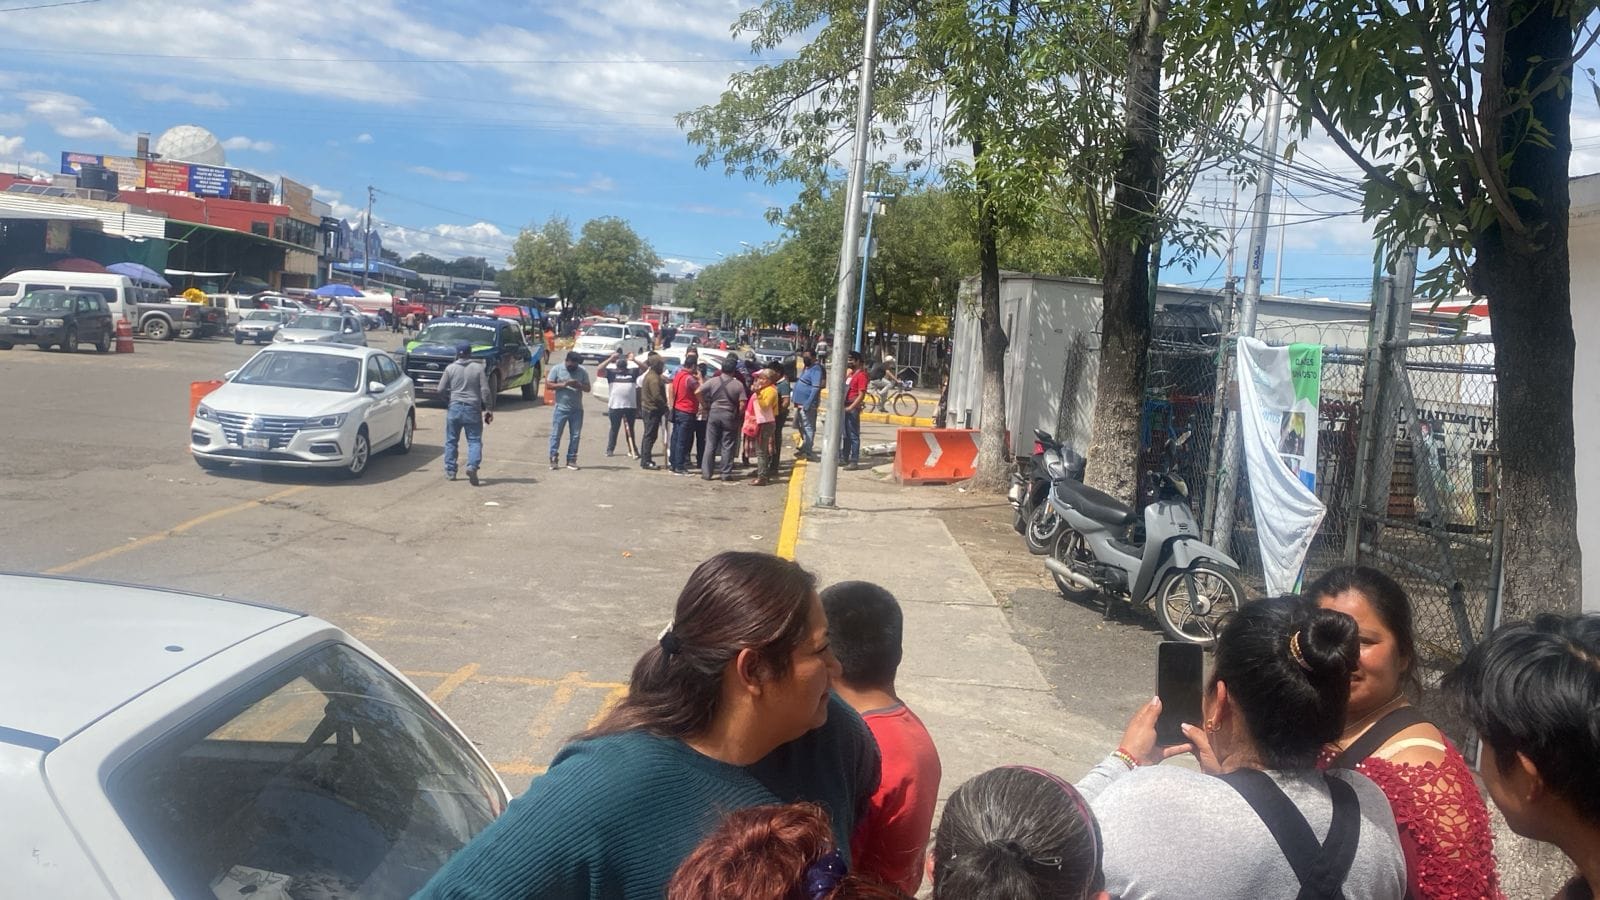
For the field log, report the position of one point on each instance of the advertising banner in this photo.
(130, 171)
(164, 176)
(73, 163)
(1280, 389)
(297, 197)
(210, 181)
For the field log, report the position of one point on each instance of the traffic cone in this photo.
(124, 336)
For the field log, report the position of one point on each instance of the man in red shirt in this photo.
(855, 395)
(864, 632)
(686, 425)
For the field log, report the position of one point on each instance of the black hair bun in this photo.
(1329, 645)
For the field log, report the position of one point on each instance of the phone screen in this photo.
(1180, 667)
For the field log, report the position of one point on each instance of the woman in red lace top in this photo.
(1444, 825)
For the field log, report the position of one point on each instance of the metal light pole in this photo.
(366, 253)
(833, 426)
(873, 198)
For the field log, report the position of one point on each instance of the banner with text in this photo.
(1280, 389)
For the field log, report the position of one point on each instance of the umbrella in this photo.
(337, 289)
(78, 264)
(140, 273)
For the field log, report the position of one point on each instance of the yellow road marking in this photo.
(612, 699)
(175, 530)
(575, 678)
(454, 680)
(789, 531)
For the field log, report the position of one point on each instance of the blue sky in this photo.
(475, 120)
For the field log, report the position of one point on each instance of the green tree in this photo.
(544, 263)
(614, 264)
(1459, 117)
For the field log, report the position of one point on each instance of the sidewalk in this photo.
(977, 688)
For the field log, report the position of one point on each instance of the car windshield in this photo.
(318, 322)
(46, 300)
(777, 344)
(605, 331)
(264, 315)
(308, 371)
(455, 334)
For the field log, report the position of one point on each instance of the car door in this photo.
(102, 318)
(382, 423)
(351, 332)
(514, 354)
(397, 381)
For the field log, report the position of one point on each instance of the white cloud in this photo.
(679, 267)
(363, 138)
(449, 241)
(244, 143)
(438, 174)
(171, 93)
(69, 116)
(335, 199)
(597, 184)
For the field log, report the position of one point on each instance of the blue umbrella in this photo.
(337, 289)
(140, 273)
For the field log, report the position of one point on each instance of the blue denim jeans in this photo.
(850, 451)
(684, 428)
(463, 417)
(805, 419)
(572, 420)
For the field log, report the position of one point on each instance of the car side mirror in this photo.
(374, 387)
(228, 376)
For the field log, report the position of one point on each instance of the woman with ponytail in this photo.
(730, 708)
(1259, 819)
(1017, 833)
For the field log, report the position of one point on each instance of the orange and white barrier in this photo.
(931, 455)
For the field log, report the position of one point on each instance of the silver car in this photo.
(259, 325)
(324, 328)
(162, 744)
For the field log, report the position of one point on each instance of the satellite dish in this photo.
(192, 144)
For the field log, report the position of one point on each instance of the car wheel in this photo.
(211, 465)
(494, 385)
(158, 330)
(4, 346)
(238, 338)
(69, 342)
(529, 390)
(360, 455)
(408, 435)
(45, 345)
(104, 344)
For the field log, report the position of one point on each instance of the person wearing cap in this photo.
(466, 388)
(570, 382)
(882, 379)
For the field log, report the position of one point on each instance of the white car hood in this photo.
(308, 335)
(591, 341)
(263, 400)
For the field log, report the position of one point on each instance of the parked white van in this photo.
(117, 289)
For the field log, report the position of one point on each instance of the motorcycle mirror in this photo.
(1183, 439)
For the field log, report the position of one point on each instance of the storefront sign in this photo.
(296, 196)
(162, 176)
(210, 181)
(73, 163)
(130, 171)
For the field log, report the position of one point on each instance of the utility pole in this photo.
(833, 425)
(873, 199)
(1232, 459)
(366, 255)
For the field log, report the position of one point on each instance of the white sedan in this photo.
(159, 744)
(307, 406)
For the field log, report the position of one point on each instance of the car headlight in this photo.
(54, 323)
(206, 413)
(333, 421)
(279, 337)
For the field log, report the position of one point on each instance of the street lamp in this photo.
(874, 200)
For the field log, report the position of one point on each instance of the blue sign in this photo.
(210, 181)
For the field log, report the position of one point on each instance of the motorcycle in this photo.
(1031, 516)
(1105, 548)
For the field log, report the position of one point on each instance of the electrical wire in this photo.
(7, 9)
(442, 60)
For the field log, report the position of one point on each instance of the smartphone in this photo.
(1180, 667)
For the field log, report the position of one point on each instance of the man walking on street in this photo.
(622, 406)
(806, 397)
(653, 403)
(467, 390)
(854, 396)
(570, 382)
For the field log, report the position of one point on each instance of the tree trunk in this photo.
(1525, 276)
(990, 467)
(1113, 457)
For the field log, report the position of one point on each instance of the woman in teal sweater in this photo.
(730, 709)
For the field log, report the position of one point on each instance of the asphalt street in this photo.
(520, 605)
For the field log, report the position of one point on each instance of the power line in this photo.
(441, 60)
(47, 6)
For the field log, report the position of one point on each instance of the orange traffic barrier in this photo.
(198, 391)
(124, 336)
(935, 455)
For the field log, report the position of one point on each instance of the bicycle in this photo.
(900, 400)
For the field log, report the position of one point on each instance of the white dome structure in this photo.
(190, 143)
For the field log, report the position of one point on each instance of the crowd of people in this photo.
(763, 752)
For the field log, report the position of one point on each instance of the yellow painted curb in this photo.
(902, 421)
(789, 531)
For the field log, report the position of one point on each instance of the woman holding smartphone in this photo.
(1444, 825)
(731, 708)
(1259, 819)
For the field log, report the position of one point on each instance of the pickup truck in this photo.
(508, 359)
(164, 321)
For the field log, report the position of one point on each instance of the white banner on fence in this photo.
(1279, 392)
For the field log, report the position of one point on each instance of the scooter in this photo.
(1031, 516)
(1106, 549)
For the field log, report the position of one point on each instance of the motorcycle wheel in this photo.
(1070, 548)
(1197, 619)
(1043, 527)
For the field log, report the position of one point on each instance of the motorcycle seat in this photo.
(1097, 505)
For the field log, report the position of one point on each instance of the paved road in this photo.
(521, 604)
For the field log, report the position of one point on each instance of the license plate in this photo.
(24, 331)
(256, 442)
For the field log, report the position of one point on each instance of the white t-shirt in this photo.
(624, 379)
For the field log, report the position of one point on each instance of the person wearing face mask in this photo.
(688, 429)
(653, 403)
(570, 382)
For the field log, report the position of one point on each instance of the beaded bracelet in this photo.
(1125, 757)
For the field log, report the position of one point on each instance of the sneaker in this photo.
(450, 476)
(648, 465)
(554, 464)
(472, 476)
(572, 464)
(852, 467)
(705, 477)
(609, 454)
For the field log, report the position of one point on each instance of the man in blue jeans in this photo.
(570, 382)
(466, 388)
(806, 397)
(854, 396)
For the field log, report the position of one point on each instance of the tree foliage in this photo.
(614, 264)
(460, 267)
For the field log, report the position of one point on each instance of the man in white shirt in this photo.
(623, 405)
